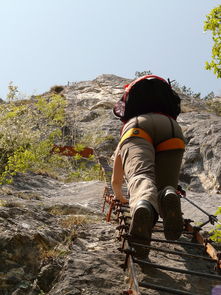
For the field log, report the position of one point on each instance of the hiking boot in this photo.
(170, 208)
(143, 219)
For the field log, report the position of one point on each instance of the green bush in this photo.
(28, 133)
(84, 169)
(214, 106)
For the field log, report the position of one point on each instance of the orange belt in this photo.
(174, 143)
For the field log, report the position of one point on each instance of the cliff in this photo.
(54, 239)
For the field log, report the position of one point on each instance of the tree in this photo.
(210, 95)
(12, 92)
(213, 24)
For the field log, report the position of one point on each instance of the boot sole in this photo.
(140, 231)
(172, 216)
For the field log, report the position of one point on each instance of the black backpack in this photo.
(147, 94)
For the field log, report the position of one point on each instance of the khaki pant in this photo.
(146, 171)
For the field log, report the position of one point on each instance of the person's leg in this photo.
(167, 173)
(143, 219)
(167, 167)
(138, 162)
(138, 159)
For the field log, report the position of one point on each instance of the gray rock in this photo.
(42, 249)
(89, 116)
(202, 156)
(201, 163)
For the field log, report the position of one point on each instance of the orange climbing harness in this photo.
(174, 143)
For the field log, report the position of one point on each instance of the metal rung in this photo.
(166, 289)
(174, 252)
(127, 245)
(121, 210)
(162, 231)
(124, 217)
(173, 269)
(178, 242)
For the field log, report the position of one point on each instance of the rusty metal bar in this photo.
(105, 195)
(112, 203)
(123, 217)
(156, 230)
(166, 289)
(121, 211)
(212, 218)
(174, 252)
(134, 285)
(209, 249)
(122, 227)
(128, 292)
(178, 242)
(174, 269)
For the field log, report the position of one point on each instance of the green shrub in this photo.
(84, 169)
(216, 233)
(28, 133)
(214, 106)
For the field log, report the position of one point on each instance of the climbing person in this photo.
(149, 157)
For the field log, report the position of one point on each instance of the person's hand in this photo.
(122, 199)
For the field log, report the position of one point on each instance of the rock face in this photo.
(53, 237)
(201, 169)
(90, 110)
(27, 234)
(91, 104)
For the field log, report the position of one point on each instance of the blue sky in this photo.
(49, 42)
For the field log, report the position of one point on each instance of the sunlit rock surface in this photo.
(53, 237)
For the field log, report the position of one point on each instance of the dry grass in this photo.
(57, 211)
(54, 253)
(73, 220)
(187, 108)
(7, 191)
(60, 250)
(20, 102)
(49, 172)
(214, 106)
(10, 204)
(69, 222)
(27, 196)
(65, 209)
(3, 203)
